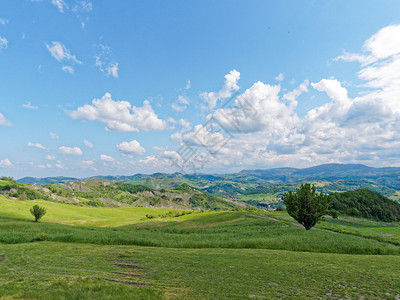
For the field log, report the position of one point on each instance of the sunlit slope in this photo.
(79, 215)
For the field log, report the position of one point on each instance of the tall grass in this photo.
(224, 230)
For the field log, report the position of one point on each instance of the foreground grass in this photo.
(208, 230)
(217, 255)
(80, 271)
(380, 231)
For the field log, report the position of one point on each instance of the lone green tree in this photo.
(306, 206)
(38, 212)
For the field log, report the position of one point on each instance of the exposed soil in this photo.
(127, 282)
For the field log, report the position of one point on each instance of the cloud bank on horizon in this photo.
(365, 128)
(259, 124)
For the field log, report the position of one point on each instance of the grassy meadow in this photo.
(118, 253)
(79, 215)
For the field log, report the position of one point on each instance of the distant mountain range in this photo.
(388, 176)
(328, 178)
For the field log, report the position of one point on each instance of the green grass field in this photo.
(82, 271)
(77, 215)
(119, 254)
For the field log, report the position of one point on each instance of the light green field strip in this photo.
(83, 216)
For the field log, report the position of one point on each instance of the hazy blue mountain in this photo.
(46, 180)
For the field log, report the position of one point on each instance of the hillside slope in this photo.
(366, 204)
(99, 192)
(327, 177)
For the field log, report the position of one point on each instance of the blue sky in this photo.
(125, 87)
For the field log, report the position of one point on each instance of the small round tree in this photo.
(306, 206)
(38, 212)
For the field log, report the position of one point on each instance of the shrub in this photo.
(280, 208)
(38, 212)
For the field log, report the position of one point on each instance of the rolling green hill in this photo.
(210, 255)
(98, 192)
(328, 178)
(97, 241)
(366, 204)
(258, 188)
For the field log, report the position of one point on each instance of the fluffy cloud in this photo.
(120, 115)
(333, 89)
(185, 126)
(132, 147)
(293, 95)
(3, 21)
(36, 145)
(261, 127)
(4, 121)
(229, 87)
(50, 157)
(3, 42)
(5, 163)
(382, 45)
(380, 64)
(70, 151)
(61, 53)
(104, 157)
(259, 108)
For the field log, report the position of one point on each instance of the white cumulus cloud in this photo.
(120, 115)
(132, 147)
(262, 127)
(5, 163)
(70, 150)
(229, 87)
